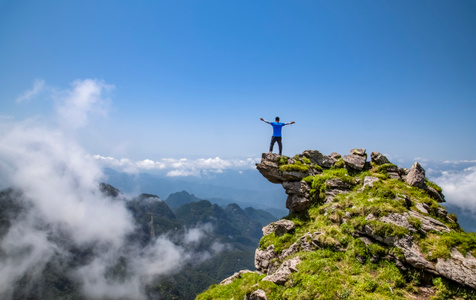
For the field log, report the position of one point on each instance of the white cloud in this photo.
(38, 86)
(179, 167)
(86, 97)
(457, 162)
(459, 187)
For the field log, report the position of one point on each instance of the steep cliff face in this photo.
(356, 229)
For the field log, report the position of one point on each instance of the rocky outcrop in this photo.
(399, 228)
(279, 227)
(319, 159)
(459, 268)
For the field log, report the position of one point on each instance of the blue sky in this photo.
(190, 79)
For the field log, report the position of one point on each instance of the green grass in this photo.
(282, 160)
(387, 229)
(433, 185)
(298, 166)
(237, 289)
(280, 243)
(440, 245)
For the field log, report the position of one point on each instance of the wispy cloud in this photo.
(38, 85)
(459, 187)
(86, 98)
(179, 167)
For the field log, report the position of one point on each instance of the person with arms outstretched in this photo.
(277, 137)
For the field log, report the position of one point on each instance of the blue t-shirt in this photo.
(277, 128)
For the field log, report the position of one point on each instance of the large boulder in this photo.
(416, 176)
(356, 159)
(296, 203)
(459, 268)
(269, 168)
(320, 159)
(359, 151)
(378, 158)
(299, 188)
(298, 195)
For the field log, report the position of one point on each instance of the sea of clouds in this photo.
(59, 184)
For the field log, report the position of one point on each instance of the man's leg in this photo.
(272, 144)
(280, 144)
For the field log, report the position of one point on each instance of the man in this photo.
(277, 126)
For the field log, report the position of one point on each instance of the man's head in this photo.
(277, 119)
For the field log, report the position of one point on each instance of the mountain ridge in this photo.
(219, 239)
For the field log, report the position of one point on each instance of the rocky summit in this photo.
(356, 229)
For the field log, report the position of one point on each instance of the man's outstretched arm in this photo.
(265, 121)
(290, 123)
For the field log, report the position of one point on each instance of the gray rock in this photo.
(234, 276)
(296, 203)
(442, 213)
(359, 151)
(413, 255)
(257, 295)
(330, 194)
(279, 227)
(310, 242)
(434, 194)
(458, 268)
(282, 273)
(335, 186)
(337, 183)
(293, 175)
(294, 248)
(269, 168)
(369, 181)
(318, 158)
(428, 223)
(378, 158)
(299, 188)
(354, 161)
(335, 155)
(416, 176)
(396, 219)
(263, 258)
(421, 208)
